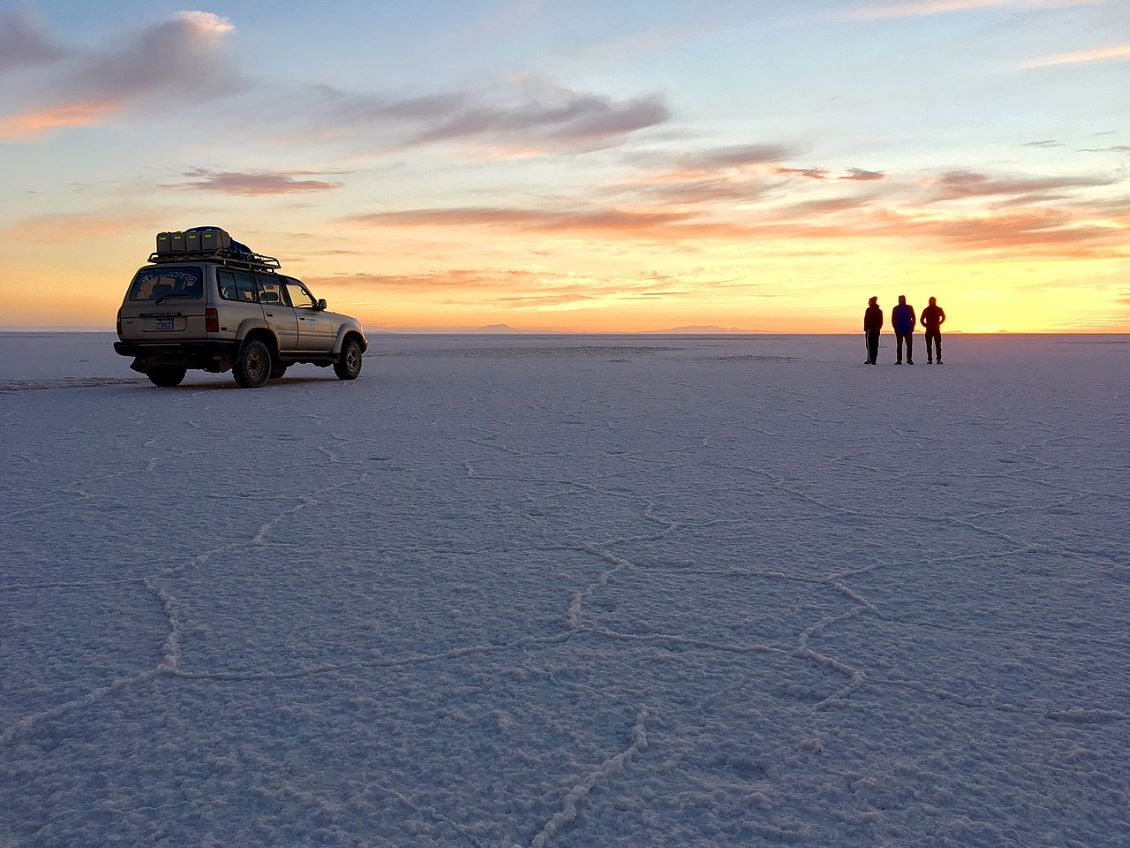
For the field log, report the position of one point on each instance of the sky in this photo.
(580, 166)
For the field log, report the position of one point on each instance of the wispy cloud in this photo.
(1116, 53)
(255, 183)
(528, 115)
(1019, 222)
(962, 184)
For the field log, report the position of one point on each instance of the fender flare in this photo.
(346, 330)
(258, 326)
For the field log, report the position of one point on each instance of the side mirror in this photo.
(322, 304)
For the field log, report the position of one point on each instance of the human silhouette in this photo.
(933, 316)
(902, 322)
(872, 324)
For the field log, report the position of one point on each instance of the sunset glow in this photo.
(581, 167)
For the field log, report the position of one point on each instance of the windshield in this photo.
(159, 284)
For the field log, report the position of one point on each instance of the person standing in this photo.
(872, 324)
(902, 322)
(933, 316)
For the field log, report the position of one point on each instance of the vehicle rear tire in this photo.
(253, 367)
(277, 372)
(166, 376)
(348, 365)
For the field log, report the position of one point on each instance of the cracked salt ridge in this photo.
(582, 496)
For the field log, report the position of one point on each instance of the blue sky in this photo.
(543, 165)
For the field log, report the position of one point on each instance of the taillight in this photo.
(119, 327)
(211, 320)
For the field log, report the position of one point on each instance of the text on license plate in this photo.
(163, 324)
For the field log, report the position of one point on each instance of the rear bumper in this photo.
(214, 356)
(221, 348)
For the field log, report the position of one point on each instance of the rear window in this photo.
(157, 284)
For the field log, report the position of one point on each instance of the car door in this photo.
(316, 331)
(280, 315)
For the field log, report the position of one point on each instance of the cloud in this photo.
(254, 183)
(513, 288)
(566, 221)
(827, 206)
(24, 44)
(65, 227)
(923, 8)
(809, 173)
(880, 11)
(530, 116)
(1046, 143)
(1119, 148)
(860, 175)
(699, 191)
(1119, 52)
(1033, 232)
(178, 56)
(736, 157)
(27, 126)
(175, 61)
(962, 184)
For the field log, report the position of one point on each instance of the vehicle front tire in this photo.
(348, 365)
(253, 367)
(166, 376)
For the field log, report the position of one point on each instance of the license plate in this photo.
(163, 324)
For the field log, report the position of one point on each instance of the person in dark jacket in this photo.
(933, 316)
(872, 324)
(903, 323)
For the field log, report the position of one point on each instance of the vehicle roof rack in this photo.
(231, 258)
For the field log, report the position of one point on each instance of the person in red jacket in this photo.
(872, 324)
(933, 316)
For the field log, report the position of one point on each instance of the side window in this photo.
(271, 289)
(226, 282)
(300, 296)
(245, 286)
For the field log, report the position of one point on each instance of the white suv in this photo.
(208, 302)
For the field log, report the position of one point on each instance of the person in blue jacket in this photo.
(903, 321)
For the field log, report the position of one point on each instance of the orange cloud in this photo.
(1098, 54)
(1049, 233)
(31, 125)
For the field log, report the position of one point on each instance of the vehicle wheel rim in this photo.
(257, 365)
(353, 359)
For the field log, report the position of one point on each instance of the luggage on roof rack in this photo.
(210, 243)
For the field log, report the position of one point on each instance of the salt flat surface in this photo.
(569, 591)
